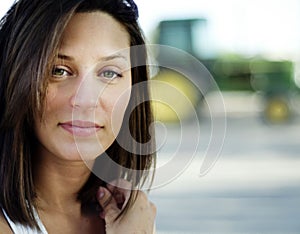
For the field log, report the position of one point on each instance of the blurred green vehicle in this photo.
(274, 80)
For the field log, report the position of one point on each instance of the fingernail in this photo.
(102, 215)
(100, 193)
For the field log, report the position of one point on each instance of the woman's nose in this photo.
(87, 93)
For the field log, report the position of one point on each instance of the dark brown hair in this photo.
(30, 34)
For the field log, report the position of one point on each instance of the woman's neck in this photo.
(58, 182)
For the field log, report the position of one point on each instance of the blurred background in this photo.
(251, 48)
(231, 150)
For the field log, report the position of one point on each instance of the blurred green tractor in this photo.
(274, 80)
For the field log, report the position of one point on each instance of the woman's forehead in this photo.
(97, 33)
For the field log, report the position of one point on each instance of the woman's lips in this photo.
(80, 128)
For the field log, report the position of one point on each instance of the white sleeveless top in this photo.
(20, 229)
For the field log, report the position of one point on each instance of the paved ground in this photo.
(254, 187)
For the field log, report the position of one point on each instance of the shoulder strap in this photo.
(20, 229)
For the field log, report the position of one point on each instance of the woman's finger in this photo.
(121, 190)
(139, 218)
(108, 204)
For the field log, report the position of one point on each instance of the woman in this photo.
(67, 95)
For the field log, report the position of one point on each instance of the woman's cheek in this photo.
(117, 110)
(51, 94)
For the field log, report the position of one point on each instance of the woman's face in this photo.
(89, 89)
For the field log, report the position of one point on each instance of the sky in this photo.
(270, 27)
(267, 27)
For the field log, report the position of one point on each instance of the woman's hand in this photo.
(139, 218)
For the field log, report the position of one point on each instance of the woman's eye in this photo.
(60, 72)
(110, 75)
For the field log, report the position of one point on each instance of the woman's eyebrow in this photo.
(114, 56)
(65, 57)
(105, 59)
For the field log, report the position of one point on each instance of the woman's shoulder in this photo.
(4, 227)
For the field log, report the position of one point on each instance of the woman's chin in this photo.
(83, 154)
